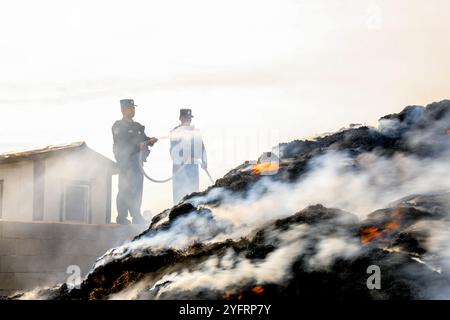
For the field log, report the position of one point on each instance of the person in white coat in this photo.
(188, 152)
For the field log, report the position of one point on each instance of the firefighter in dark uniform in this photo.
(129, 139)
(187, 151)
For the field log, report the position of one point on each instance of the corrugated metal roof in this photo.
(48, 151)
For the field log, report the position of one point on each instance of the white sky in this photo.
(255, 72)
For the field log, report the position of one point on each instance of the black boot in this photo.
(122, 221)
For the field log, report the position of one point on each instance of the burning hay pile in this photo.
(338, 206)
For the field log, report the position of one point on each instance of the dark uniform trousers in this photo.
(129, 197)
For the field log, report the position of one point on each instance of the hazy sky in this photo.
(255, 72)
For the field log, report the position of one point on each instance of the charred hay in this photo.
(393, 238)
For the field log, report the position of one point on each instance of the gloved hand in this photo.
(150, 142)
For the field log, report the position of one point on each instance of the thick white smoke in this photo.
(335, 179)
(332, 181)
(231, 269)
(234, 271)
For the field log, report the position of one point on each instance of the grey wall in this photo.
(17, 190)
(38, 253)
(77, 166)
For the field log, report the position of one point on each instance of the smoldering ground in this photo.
(247, 230)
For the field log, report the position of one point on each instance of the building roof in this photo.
(51, 150)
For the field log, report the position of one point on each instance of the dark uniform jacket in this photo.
(127, 136)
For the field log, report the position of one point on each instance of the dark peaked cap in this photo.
(127, 103)
(186, 113)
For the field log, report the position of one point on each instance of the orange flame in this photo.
(258, 290)
(265, 167)
(369, 233)
(373, 233)
(230, 294)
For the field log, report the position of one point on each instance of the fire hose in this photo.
(141, 167)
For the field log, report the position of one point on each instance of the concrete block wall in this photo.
(36, 254)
